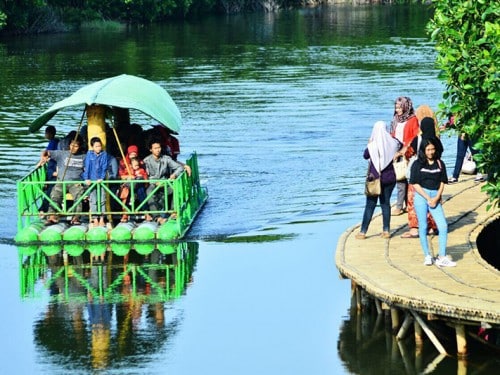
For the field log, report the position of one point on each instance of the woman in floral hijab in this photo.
(404, 127)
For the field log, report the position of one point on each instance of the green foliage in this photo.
(3, 20)
(19, 14)
(467, 36)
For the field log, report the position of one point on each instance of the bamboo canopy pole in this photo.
(96, 120)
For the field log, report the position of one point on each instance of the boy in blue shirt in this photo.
(95, 169)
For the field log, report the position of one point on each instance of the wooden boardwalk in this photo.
(392, 270)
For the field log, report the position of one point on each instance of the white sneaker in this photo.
(428, 260)
(479, 177)
(445, 262)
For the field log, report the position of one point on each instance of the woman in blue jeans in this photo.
(428, 176)
(380, 150)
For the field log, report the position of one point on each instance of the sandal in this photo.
(124, 219)
(397, 212)
(75, 221)
(409, 235)
(360, 236)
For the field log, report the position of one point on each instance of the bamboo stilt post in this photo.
(378, 306)
(404, 327)
(353, 294)
(394, 349)
(433, 364)
(461, 340)
(406, 358)
(419, 358)
(418, 334)
(394, 319)
(377, 324)
(462, 367)
(429, 333)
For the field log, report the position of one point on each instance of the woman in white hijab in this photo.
(380, 150)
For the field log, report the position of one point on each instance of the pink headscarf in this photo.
(408, 111)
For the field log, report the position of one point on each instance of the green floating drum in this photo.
(167, 248)
(27, 250)
(97, 249)
(53, 233)
(75, 233)
(50, 250)
(168, 231)
(144, 248)
(146, 231)
(74, 249)
(97, 234)
(120, 249)
(30, 233)
(122, 232)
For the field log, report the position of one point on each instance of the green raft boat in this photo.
(107, 105)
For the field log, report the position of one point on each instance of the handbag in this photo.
(469, 165)
(400, 167)
(372, 187)
(372, 184)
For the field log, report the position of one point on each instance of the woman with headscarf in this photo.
(380, 150)
(428, 130)
(404, 127)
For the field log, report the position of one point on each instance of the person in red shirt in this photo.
(132, 168)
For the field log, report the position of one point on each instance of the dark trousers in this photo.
(385, 205)
(462, 145)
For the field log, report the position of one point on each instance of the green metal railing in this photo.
(186, 193)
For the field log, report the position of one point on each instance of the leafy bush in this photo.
(467, 36)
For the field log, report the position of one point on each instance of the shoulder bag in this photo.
(469, 165)
(372, 184)
(400, 167)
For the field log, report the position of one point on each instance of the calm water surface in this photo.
(279, 109)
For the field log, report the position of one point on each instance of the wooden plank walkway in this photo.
(393, 271)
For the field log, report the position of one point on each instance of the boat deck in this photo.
(392, 270)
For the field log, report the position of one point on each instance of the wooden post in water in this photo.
(461, 340)
(378, 306)
(404, 327)
(429, 333)
(418, 335)
(394, 319)
(355, 296)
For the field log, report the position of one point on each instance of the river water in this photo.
(279, 108)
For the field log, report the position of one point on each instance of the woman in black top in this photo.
(428, 176)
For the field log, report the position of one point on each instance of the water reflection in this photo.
(101, 314)
(366, 345)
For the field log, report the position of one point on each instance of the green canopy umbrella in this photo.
(124, 91)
